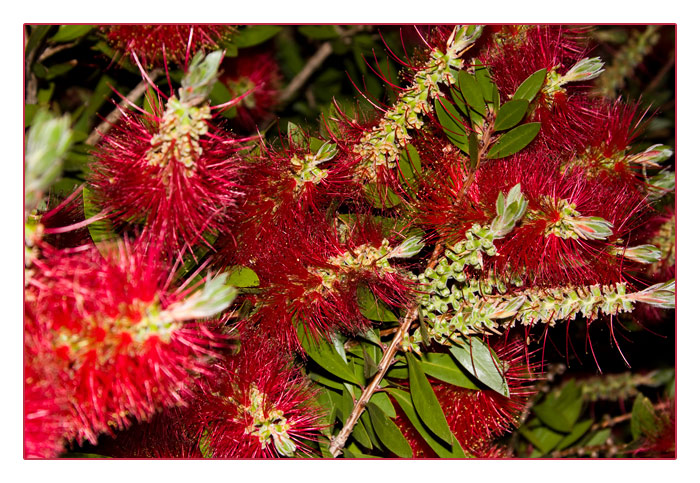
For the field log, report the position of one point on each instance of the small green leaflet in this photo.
(409, 166)
(644, 419)
(482, 363)
(531, 86)
(255, 34)
(514, 140)
(425, 401)
(543, 438)
(66, 33)
(577, 432)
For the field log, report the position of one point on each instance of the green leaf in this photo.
(256, 34)
(425, 401)
(543, 438)
(373, 308)
(325, 355)
(471, 91)
(381, 196)
(510, 114)
(101, 230)
(598, 438)
(409, 165)
(38, 32)
(483, 78)
(66, 33)
(452, 450)
(452, 123)
(561, 410)
(644, 419)
(514, 140)
(240, 276)
(445, 368)
(473, 149)
(325, 381)
(389, 434)
(482, 363)
(319, 32)
(296, 135)
(576, 433)
(97, 99)
(531, 86)
(381, 399)
(459, 100)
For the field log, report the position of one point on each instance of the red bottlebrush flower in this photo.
(126, 343)
(260, 406)
(48, 421)
(153, 42)
(476, 418)
(317, 285)
(172, 170)
(284, 190)
(258, 74)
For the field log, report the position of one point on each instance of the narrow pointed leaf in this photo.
(373, 308)
(471, 92)
(483, 78)
(325, 355)
(576, 433)
(240, 276)
(510, 114)
(443, 450)
(445, 368)
(482, 363)
(425, 401)
(514, 140)
(389, 434)
(531, 86)
(452, 123)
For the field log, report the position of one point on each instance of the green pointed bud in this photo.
(661, 184)
(583, 70)
(462, 37)
(661, 295)
(326, 152)
(48, 142)
(208, 301)
(590, 227)
(200, 77)
(639, 254)
(652, 156)
(510, 209)
(410, 247)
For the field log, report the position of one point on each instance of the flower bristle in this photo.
(153, 42)
(258, 406)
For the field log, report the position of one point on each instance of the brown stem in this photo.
(113, 116)
(313, 64)
(338, 442)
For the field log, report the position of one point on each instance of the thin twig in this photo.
(113, 116)
(314, 62)
(49, 51)
(338, 442)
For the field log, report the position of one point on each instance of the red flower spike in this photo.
(317, 285)
(258, 74)
(478, 417)
(153, 42)
(259, 407)
(126, 343)
(173, 171)
(284, 190)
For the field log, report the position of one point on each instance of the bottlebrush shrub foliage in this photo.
(452, 266)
